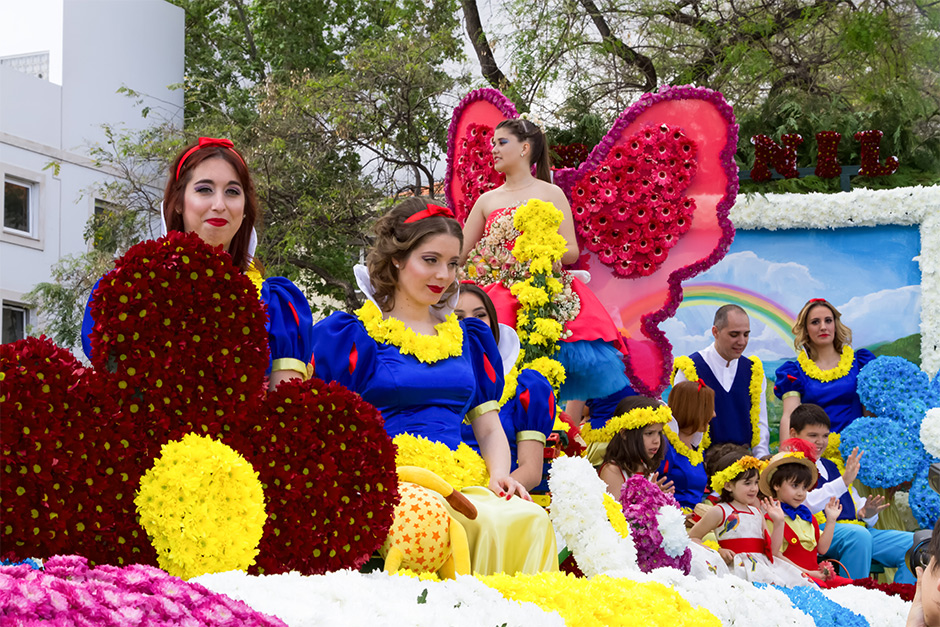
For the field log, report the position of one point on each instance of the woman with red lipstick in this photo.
(406, 353)
(826, 369)
(210, 192)
(591, 349)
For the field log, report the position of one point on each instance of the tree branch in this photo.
(353, 302)
(616, 46)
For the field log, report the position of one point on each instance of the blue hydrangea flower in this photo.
(823, 611)
(924, 502)
(893, 451)
(893, 387)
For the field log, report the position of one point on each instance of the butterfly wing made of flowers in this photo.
(470, 170)
(650, 206)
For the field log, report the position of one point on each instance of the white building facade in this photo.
(94, 48)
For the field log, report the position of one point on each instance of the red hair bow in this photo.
(207, 142)
(432, 210)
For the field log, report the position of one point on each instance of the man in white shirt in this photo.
(738, 382)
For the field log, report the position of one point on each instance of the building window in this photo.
(19, 202)
(15, 319)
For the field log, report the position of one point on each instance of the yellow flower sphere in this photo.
(203, 507)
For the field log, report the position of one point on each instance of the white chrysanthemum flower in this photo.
(877, 607)
(930, 431)
(672, 526)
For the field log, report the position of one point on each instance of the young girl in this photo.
(693, 407)
(634, 442)
(746, 546)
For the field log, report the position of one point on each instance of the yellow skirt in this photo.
(513, 536)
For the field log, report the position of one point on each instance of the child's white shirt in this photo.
(817, 498)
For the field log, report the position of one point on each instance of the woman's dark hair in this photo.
(526, 131)
(626, 449)
(692, 405)
(476, 290)
(725, 462)
(797, 473)
(174, 193)
(395, 240)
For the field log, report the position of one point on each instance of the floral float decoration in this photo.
(904, 401)
(152, 384)
(657, 524)
(656, 225)
(202, 507)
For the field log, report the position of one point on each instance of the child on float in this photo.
(789, 477)
(746, 545)
(632, 443)
(693, 407)
(855, 542)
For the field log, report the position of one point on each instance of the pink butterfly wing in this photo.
(639, 304)
(481, 109)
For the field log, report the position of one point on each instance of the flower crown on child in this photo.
(633, 419)
(720, 479)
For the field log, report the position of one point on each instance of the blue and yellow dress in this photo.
(289, 324)
(838, 396)
(528, 415)
(431, 399)
(683, 466)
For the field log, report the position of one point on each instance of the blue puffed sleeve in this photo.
(290, 325)
(343, 351)
(863, 356)
(88, 323)
(537, 399)
(789, 378)
(487, 367)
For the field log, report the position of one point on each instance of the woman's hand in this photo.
(507, 486)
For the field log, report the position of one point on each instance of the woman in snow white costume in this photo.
(406, 353)
(591, 353)
(826, 370)
(210, 192)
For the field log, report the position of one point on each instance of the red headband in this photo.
(817, 300)
(432, 210)
(701, 384)
(208, 142)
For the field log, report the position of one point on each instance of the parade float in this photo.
(166, 485)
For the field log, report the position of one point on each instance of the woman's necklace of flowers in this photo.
(815, 372)
(687, 367)
(693, 455)
(425, 348)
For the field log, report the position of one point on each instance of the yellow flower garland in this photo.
(615, 515)
(720, 479)
(602, 601)
(687, 367)
(510, 383)
(633, 419)
(426, 348)
(694, 456)
(832, 452)
(813, 371)
(461, 468)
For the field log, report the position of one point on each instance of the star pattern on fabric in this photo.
(421, 529)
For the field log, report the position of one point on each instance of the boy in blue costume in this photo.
(856, 542)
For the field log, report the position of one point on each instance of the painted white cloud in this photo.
(883, 316)
(790, 284)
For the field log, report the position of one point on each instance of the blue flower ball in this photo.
(924, 502)
(893, 387)
(893, 453)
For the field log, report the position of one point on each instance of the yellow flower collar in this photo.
(425, 348)
(815, 372)
(693, 455)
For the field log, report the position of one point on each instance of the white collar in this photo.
(509, 347)
(364, 281)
